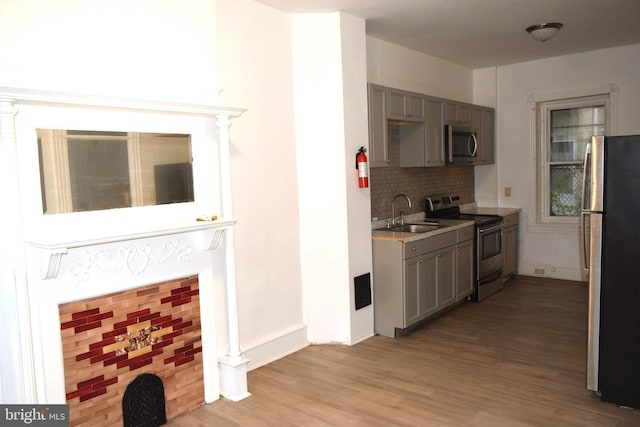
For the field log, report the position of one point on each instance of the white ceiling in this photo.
(483, 33)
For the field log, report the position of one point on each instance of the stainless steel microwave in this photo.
(461, 144)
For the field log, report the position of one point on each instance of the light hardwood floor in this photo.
(515, 359)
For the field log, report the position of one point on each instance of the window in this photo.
(565, 128)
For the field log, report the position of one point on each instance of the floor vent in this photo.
(362, 290)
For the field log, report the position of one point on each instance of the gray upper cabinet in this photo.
(482, 122)
(434, 147)
(422, 142)
(457, 113)
(487, 137)
(413, 143)
(378, 145)
(405, 105)
(420, 120)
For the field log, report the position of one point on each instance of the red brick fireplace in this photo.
(109, 340)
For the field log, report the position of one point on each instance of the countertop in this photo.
(447, 225)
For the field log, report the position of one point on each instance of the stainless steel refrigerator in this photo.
(611, 249)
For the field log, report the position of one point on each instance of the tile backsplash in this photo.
(416, 183)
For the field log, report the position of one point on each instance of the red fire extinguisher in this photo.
(363, 168)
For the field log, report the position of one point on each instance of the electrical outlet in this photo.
(539, 270)
(507, 191)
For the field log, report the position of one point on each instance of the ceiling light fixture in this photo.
(543, 32)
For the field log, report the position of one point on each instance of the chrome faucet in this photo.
(393, 208)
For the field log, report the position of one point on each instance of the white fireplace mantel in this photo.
(41, 97)
(35, 246)
(52, 251)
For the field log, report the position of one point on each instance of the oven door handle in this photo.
(490, 229)
(490, 278)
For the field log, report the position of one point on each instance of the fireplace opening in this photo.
(143, 403)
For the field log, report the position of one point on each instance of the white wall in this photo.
(356, 131)
(331, 124)
(256, 71)
(145, 48)
(303, 79)
(557, 253)
(486, 176)
(321, 172)
(398, 67)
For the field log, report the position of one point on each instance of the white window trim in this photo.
(538, 220)
(544, 111)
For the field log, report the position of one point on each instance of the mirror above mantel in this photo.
(169, 167)
(95, 170)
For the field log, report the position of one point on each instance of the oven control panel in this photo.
(441, 201)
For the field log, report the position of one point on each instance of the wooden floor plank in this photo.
(516, 359)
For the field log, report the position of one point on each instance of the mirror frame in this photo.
(206, 170)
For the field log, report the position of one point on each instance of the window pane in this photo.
(565, 190)
(571, 129)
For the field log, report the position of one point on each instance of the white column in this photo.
(233, 367)
(16, 361)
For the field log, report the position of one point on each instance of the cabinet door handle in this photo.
(413, 249)
(420, 260)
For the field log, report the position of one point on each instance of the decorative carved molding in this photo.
(136, 258)
(51, 262)
(211, 234)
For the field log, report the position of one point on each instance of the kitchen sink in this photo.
(411, 228)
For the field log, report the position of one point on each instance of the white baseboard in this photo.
(552, 272)
(276, 346)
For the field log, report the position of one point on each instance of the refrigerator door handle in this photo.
(593, 335)
(586, 178)
(584, 217)
(593, 175)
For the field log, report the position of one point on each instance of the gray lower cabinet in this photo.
(420, 298)
(464, 269)
(446, 280)
(413, 281)
(510, 246)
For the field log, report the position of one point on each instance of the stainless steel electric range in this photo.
(488, 242)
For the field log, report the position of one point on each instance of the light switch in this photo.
(507, 191)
